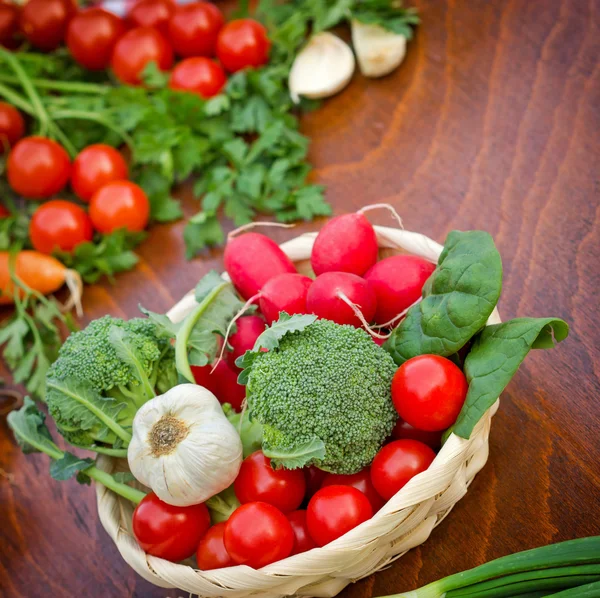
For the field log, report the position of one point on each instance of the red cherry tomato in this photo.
(428, 392)
(314, 478)
(198, 75)
(96, 166)
(38, 167)
(9, 25)
(335, 510)
(403, 430)
(169, 532)
(12, 125)
(211, 553)
(242, 44)
(44, 22)
(136, 49)
(194, 28)
(120, 204)
(4, 213)
(302, 539)
(258, 534)
(59, 224)
(92, 35)
(361, 481)
(257, 481)
(397, 463)
(152, 13)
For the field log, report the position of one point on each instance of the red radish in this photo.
(286, 292)
(222, 382)
(249, 328)
(345, 244)
(252, 260)
(397, 282)
(332, 294)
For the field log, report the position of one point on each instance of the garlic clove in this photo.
(322, 68)
(378, 51)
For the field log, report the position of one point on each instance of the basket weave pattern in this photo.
(403, 523)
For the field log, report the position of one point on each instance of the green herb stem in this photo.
(102, 450)
(66, 86)
(132, 494)
(91, 116)
(16, 100)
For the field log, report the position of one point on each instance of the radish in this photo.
(397, 282)
(347, 243)
(252, 260)
(286, 292)
(222, 382)
(343, 298)
(249, 328)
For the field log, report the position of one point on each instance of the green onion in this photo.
(531, 573)
(590, 590)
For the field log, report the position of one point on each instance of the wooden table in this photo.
(492, 122)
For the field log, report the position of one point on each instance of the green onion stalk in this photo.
(566, 570)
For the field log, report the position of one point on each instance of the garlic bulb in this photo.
(378, 51)
(323, 67)
(183, 446)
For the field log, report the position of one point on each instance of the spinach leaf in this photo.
(495, 357)
(458, 298)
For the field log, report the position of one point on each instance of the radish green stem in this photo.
(135, 496)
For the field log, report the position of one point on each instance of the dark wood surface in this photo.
(492, 122)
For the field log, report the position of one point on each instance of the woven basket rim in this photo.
(455, 455)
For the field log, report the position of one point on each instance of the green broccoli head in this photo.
(103, 374)
(323, 398)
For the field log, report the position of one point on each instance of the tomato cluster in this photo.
(152, 31)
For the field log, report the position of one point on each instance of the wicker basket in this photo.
(403, 523)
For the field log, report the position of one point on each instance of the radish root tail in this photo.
(75, 286)
(360, 316)
(252, 225)
(385, 206)
(398, 317)
(237, 316)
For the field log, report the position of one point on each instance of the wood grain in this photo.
(492, 122)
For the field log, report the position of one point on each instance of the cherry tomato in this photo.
(258, 534)
(59, 224)
(4, 213)
(199, 75)
(335, 510)
(222, 383)
(38, 167)
(403, 430)
(211, 553)
(194, 28)
(136, 49)
(302, 539)
(169, 532)
(121, 204)
(361, 481)
(397, 463)
(428, 392)
(92, 35)
(96, 166)
(44, 22)
(12, 125)
(314, 478)
(257, 481)
(152, 13)
(243, 43)
(9, 25)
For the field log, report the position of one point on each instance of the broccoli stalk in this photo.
(33, 436)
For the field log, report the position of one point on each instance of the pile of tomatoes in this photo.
(286, 512)
(153, 31)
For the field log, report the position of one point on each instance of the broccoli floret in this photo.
(111, 367)
(323, 398)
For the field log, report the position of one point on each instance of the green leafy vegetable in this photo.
(494, 358)
(33, 436)
(458, 299)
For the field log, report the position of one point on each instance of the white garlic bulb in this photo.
(322, 68)
(183, 446)
(378, 51)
